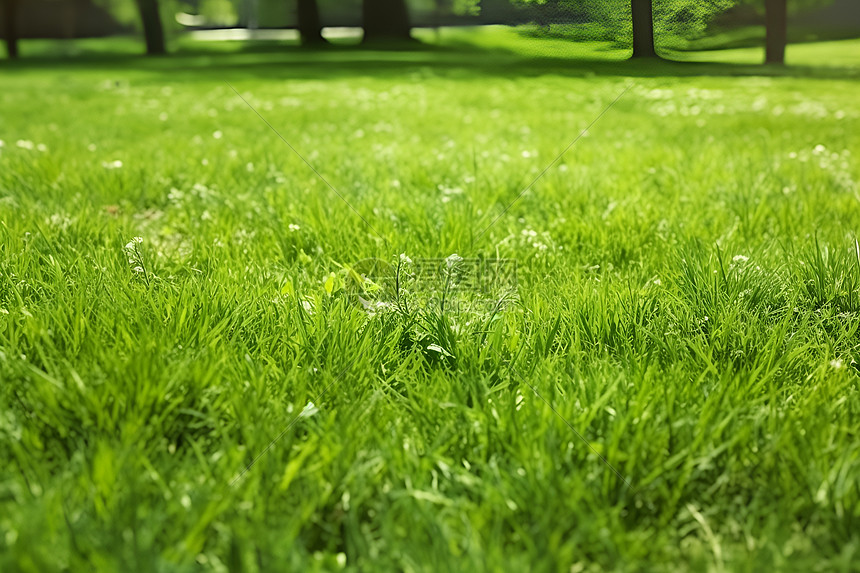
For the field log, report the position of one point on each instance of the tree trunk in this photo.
(386, 20)
(10, 14)
(153, 31)
(776, 23)
(310, 25)
(643, 29)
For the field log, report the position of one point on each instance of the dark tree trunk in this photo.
(153, 32)
(643, 29)
(386, 20)
(776, 23)
(10, 14)
(310, 25)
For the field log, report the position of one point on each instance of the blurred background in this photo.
(678, 25)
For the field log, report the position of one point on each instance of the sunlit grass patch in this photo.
(200, 370)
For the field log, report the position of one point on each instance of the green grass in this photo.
(687, 302)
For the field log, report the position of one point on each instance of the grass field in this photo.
(671, 385)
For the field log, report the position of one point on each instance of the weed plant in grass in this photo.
(673, 385)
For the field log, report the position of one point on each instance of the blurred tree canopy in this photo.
(611, 19)
(669, 21)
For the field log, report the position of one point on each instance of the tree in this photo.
(310, 25)
(776, 13)
(643, 29)
(776, 34)
(153, 30)
(639, 23)
(385, 20)
(10, 14)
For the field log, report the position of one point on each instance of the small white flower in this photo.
(25, 144)
(405, 259)
(440, 350)
(453, 260)
(819, 149)
(2, 143)
(249, 167)
(309, 410)
(740, 258)
(658, 282)
(42, 147)
(836, 364)
(116, 164)
(294, 227)
(218, 134)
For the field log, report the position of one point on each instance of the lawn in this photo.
(193, 378)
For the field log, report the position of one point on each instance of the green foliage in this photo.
(686, 18)
(219, 12)
(611, 19)
(794, 6)
(458, 7)
(125, 11)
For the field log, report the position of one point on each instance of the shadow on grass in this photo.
(287, 60)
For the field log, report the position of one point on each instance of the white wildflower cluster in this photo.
(836, 163)
(452, 262)
(694, 102)
(135, 259)
(115, 164)
(538, 241)
(243, 236)
(449, 192)
(372, 308)
(59, 221)
(28, 145)
(200, 191)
